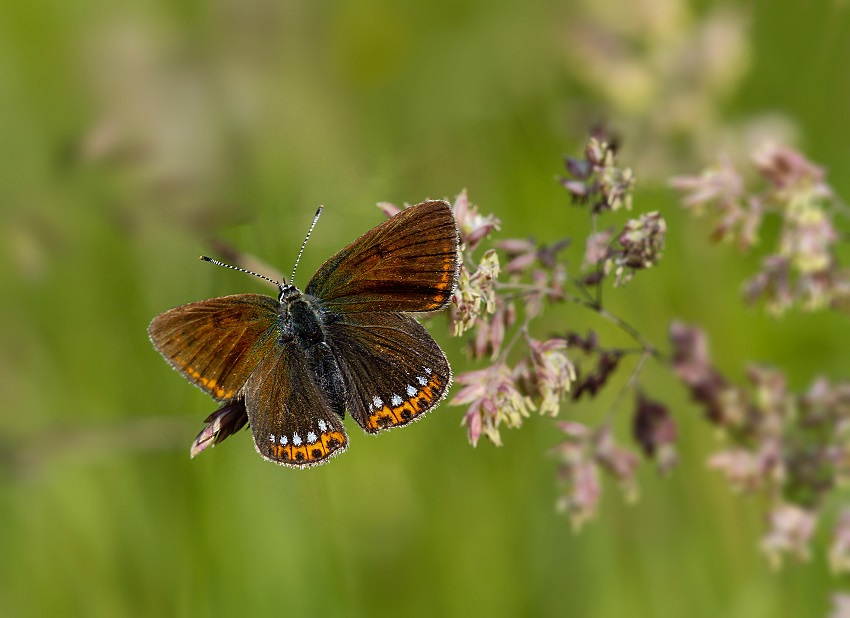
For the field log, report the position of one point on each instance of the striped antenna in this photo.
(242, 270)
(304, 244)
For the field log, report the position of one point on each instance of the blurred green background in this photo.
(135, 134)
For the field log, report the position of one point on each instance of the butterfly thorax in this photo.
(302, 321)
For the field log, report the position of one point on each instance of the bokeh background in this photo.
(137, 135)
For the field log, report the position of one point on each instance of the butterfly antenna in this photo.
(304, 244)
(242, 270)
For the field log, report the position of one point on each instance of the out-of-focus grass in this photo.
(133, 135)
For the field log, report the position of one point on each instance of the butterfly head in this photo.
(288, 293)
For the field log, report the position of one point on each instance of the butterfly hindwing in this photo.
(216, 344)
(393, 369)
(294, 422)
(408, 263)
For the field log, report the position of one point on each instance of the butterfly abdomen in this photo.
(326, 371)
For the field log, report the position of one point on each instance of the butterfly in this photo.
(292, 366)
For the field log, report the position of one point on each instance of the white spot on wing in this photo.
(296, 439)
(421, 380)
(396, 400)
(323, 426)
(378, 403)
(311, 437)
(271, 437)
(411, 391)
(283, 440)
(428, 370)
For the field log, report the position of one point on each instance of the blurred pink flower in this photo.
(720, 183)
(839, 551)
(493, 399)
(221, 424)
(691, 362)
(840, 605)
(791, 529)
(621, 463)
(473, 227)
(787, 169)
(522, 254)
(578, 473)
(598, 248)
(475, 293)
(655, 430)
(597, 179)
(581, 455)
(546, 372)
(389, 209)
(642, 241)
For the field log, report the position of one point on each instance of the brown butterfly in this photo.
(292, 366)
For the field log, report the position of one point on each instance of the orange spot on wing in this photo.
(332, 440)
(445, 283)
(220, 393)
(408, 410)
(307, 453)
(298, 454)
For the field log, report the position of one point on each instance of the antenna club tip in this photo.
(205, 258)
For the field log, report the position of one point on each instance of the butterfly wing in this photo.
(393, 369)
(292, 419)
(408, 263)
(218, 343)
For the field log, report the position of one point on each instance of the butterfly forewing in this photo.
(408, 263)
(394, 371)
(292, 420)
(216, 344)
